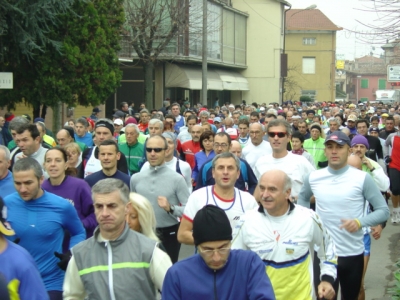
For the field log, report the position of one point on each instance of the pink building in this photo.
(365, 76)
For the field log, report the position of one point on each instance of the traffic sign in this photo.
(393, 73)
(6, 80)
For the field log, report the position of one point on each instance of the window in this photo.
(309, 41)
(308, 65)
(364, 83)
(240, 39)
(381, 84)
(309, 93)
(364, 99)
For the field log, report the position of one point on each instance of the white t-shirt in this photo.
(297, 167)
(234, 208)
(252, 153)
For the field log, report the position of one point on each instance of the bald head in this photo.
(256, 133)
(346, 131)
(63, 138)
(236, 148)
(354, 161)
(196, 132)
(255, 126)
(275, 189)
(228, 122)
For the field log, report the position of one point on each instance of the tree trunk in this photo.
(148, 69)
(44, 112)
(56, 117)
(36, 111)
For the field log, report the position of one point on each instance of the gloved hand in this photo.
(64, 259)
(388, 160)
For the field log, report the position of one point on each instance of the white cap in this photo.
(118, 122)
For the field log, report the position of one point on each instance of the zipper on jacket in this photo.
(215, 285)
(110, 272)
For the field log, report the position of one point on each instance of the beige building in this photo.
(311, 49)
(244, 48)
(245, 42)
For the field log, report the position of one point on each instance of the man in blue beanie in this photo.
(217, 272)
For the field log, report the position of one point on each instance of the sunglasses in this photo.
(156, 150)
(279, 134)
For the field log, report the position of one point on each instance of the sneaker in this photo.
(395, 217)
(397, 220)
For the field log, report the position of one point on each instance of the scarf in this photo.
(298, 152)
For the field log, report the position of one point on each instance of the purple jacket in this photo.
(79, 194)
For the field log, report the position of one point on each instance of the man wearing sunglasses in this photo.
(216, 272)
(166, 190)
(295, 166)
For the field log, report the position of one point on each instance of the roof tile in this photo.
(313, 19)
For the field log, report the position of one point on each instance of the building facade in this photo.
(311, 49)
(244, 44)
(364, 76)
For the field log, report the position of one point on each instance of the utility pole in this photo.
(204, 56)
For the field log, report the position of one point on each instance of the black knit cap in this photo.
(316, 126)
(70, 131)
(211, 224)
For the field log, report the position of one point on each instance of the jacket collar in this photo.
(116, 242)
(291, 208)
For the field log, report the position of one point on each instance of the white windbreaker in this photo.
(284, 244)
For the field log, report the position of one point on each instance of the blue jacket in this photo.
(243, 277)
(40, 225)
(205, 177)
(200, 158)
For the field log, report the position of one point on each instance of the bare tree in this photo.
(152, 25)
(292, 86)
(384, 26)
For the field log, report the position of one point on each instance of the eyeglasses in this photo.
(156, 150)
(209, 253)
(216, 145)
(279, 134)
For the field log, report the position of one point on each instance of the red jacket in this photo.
(189, 149)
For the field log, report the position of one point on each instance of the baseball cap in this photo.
(373, 129)
(26, 116)
(352, 106)
(217, 119)
(118, 122)
(384, 115)
(371, 111)
(119, 114)
(38, 120)
(262, 108)
(339, 138)
(5, 227)
(352, 118)
(96, 110)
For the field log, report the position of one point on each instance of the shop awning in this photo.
(189, 77)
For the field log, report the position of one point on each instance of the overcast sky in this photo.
(346, 13)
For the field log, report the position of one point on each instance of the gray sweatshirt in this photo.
(162, 181)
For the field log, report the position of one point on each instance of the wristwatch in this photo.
(171, 209)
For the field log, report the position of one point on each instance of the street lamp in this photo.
(284, 58)
(358, 77)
